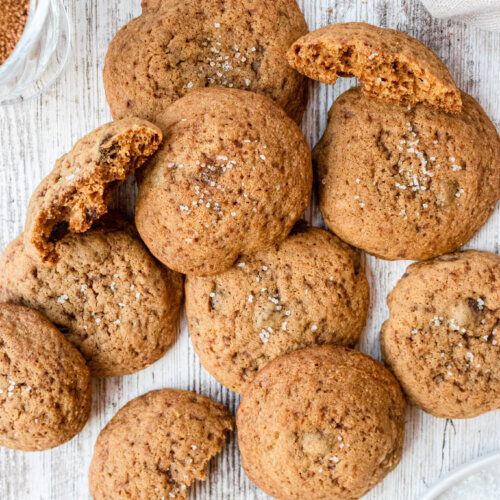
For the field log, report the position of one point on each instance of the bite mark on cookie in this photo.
(391, 65)
(130, 461)
(77, 191)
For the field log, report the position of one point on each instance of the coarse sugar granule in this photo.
(13, 16)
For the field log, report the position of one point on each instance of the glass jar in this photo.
(40, 55)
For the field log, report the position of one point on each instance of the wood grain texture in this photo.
(35, 133)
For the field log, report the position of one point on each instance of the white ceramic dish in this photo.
(458, 475)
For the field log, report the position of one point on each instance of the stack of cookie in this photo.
(408, 168)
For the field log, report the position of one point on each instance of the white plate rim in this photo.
(459, 474)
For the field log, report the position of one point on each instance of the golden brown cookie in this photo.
(308, 290)
(323, 422)
(45, 390)
(157, 445)
(77, 191)
(391, 65)
(233, 176)
(406, 183)
(441, 338)
(106, 293)
(174, 47)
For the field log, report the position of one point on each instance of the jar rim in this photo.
(37, 15)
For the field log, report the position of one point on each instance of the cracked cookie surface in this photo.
(442, 336)
(308, 290)
(324, 419)
(233, 176)
(406, 183)
(77, 191)
(45, 390)
(174, 47)
(157, 445)
(107, 294)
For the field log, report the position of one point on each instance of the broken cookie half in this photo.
(390, 65)
(157, 445)
(77, 191)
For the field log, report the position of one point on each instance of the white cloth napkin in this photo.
(484, 14)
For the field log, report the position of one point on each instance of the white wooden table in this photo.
(33, 134)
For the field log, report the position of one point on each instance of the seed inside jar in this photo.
(13, 16)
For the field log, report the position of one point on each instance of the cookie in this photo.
(157, 445)
(441, 338)
(233, 176)
(174, 47)
(390, 65)
(325, 419)
(106, 293)
(77, 191)
(406, 183)
(45, 390)
(308, 290)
